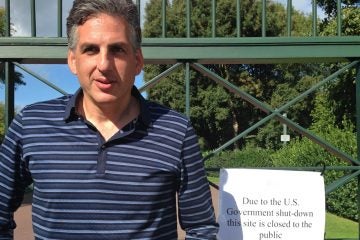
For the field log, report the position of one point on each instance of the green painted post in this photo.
(358, 136)
(339, 18)
(138, 7)
(163, 17)
(213, 18)
(59, 20)
(9, 93)
(187, 89)
(188, 18)
(7, 12)
(358, 205)
(238, 18)
(33, 18)
(263, 19)
(314, 15)
(289, 17)
(9, 72)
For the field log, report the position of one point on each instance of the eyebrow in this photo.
(115, 44)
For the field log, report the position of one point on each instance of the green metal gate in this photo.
(193, 53)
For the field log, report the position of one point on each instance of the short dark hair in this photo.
(82, 10)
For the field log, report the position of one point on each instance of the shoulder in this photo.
(51, 109)
(52, 104)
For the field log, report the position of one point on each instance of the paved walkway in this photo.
(23, 231)
(23, 218)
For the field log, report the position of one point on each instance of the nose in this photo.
(104, 61)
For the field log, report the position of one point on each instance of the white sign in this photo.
(285, 138)
(257, 204)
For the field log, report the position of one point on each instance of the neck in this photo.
(111, 117)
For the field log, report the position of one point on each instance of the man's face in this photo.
(104, 60)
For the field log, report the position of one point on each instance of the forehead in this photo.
(104, 26)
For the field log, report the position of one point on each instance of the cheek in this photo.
(85, 67)
(124, 67)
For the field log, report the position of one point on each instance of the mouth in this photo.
(104, 83)
(103, 80)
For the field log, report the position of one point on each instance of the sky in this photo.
(60, 75)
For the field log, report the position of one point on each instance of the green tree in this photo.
(2, 22)
(302, 152)
(330, 6)
(333, 119)
(17, 75)
(343, 91)
(214, 110)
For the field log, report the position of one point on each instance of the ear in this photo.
(71, 61)
(139, 61)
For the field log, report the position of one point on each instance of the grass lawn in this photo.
(340, 228)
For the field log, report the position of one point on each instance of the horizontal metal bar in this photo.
(202, 50)
(310, 168)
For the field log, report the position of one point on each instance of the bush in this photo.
(246, 158)
(301, 152)
(305, 153)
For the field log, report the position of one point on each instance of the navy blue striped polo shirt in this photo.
(87, 188)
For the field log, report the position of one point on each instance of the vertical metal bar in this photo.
(314, 20)
(163, 17)
(289, 17)
(339, 18)
(188, 19)
(59, 18)
(9, 73)
(358, 136)
(187, 90)
(9, 93)
(263, 19)
(213, 18)
(358, 108)
(238, 18)
(7, 24)
(138, 7)
(358, 205)
(33, 18)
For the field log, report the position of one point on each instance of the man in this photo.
(105, 163)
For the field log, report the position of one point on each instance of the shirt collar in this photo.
(144, 117)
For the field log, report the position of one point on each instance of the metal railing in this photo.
(191, 53)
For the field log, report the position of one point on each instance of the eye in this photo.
(90, 50)
(117, 49)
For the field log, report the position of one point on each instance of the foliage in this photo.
(17, 75)
(329, 113)
(250, 157)
(303, 152)
(214, 110)
(330, 6)
(296, 80)
(349, 23)
(2, 22)
(343, 92)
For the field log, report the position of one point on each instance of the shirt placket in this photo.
(105, 146)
